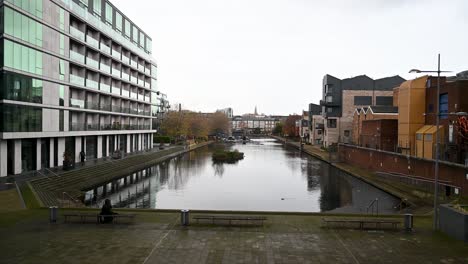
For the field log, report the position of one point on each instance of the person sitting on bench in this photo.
(107, 210)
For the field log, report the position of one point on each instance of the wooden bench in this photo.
(84, 217)
(217, 218)
(377, 223)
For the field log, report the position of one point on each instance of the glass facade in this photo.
(97, 7)
(22, 27)
(22, 58)
(34, 7)
(19, 118)
(21, 88)
(109, 13)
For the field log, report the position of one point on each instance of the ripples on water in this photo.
(271, 177)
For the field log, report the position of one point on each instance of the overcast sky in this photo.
(273, 54)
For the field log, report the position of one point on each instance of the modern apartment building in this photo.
(341, 97)
(77, 75)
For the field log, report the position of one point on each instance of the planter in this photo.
(453, 222)
(68, 165)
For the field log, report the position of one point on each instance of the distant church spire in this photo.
(256, 113)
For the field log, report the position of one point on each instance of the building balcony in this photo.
(105, 68)
(125, 76)
(105, 48)
(92, 42)
(77, 33)
(92, 63)
(104, 87)
(92, 106)
(116, 72)
(133, 95)
(76, 126)
(105, 127)
(92, 127)
(77, 80)
(134, 111)
(92, 84)
(116, 108)
(105, 107)
(125, 110)
(133, 80)
(125, 59)
(77, 103)
(75, 56)
(116, 90)
(117, 55)
(134, 63)
(329, 104)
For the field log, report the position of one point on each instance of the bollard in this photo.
(184, 217)
(53, 214)
(408, 222)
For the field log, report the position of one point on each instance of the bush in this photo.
(161, 139)
(227, 156)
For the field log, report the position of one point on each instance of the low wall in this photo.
(383, 161)
(454, 223)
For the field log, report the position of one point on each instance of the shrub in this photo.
(161, 139)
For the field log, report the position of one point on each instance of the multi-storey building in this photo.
(341, 97)
(77, 75)
(249, 123)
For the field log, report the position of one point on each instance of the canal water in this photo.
(271, 177)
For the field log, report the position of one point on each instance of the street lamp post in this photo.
(436, 167)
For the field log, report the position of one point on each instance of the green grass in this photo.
(29, 197)
(10, 200)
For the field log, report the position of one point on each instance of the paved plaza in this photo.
(157, 237)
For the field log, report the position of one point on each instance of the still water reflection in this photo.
(271, 177)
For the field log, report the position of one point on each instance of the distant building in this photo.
(248, 123)
(341, 97)
(227, 111)
(315, 124)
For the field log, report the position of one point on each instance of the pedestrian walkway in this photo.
(157, 237)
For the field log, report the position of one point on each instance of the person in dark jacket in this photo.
(82, 157)
(107, 210)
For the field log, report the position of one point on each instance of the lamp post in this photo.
(436, 167)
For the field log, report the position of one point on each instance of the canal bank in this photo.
(67, 187)
(414, 202)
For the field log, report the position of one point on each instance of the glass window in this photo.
(61, 95)
(149, 45)
(22, 27)
(62, 44)
(108, 13)
(97, 7)
(62, 19)
(61, 120)
(17, 25)
(62, 70)
(21, 88)
(135, 34)
(18, 118)
(9, 54)
(8, 17)
(127, 28)
(443, 105)
(142, 39)
(331, 123)
(118, 21)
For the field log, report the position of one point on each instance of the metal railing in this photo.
(373, 207)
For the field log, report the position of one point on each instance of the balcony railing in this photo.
(116, 108)
(77, 80)
(104, 87)
(105, 127)
(92, 127)
(75, 56)
(76, 126)
(91, 62)
(126, 110)
(104, 67)
(133, 95)
(88, 17)
(116, 54)
(105, 107)
(92, 41)
(104, 47)
(147, 113)
(77, 103)
(133, 79)
(125, 93)
(125, 59)
(134, 63)
(92, 105)
(125, 76)
(77, 33)
(116, 90)
(326, 103)
(116, 72)
(92, 84)
(134, 111)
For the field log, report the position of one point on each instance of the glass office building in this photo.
(76, 75)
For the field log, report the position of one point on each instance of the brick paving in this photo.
(157, 237)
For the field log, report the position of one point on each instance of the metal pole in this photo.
(436, 167)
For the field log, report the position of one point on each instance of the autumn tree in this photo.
(278, 129)
(289, 127)
(219, 123)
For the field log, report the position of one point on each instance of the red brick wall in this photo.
(376, 160)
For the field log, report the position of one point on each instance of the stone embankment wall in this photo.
(382, 161)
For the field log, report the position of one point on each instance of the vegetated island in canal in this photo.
(226, 156)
